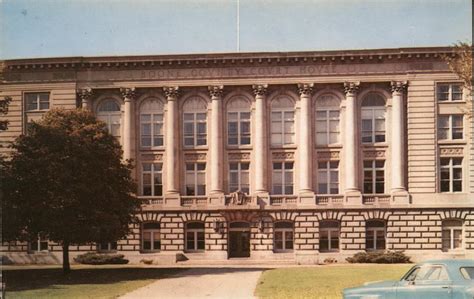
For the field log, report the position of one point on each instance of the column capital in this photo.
(216, 91)
(351, 87)
(85, 93)
(260, 89)
(398, 86)
(305, 89)
(171, 92)
(128, 93)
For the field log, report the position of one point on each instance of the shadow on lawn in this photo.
(31, 279)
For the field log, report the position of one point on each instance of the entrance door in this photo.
(239, 239)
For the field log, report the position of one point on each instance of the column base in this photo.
(353, 197)
(216, 198)
(400, 197)
(306, 197)
(172, 200)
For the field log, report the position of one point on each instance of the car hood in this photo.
(371, 286)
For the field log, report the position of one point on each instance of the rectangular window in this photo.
(329, 239)
(152, 179)
(374, 177)
(283, 239)
(328, 177)
(373, 125)
(450, 127)
(151, 126)
(327, 127)
(239, 177)
(283, 128)
(451, 174)
(107, 246)
(36, 101)
(282, 178)
(447, 92)
(375, 238)
(238, 128)
(151, 237)
(452, 234)
(195, 178)
(38, 245)
(195, 129)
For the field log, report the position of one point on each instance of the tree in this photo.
(461, 63)
(4, 103)
(66, 182)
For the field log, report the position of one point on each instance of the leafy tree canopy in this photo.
(66, 181)
(3, 111)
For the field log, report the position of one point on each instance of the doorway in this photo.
(239, 239)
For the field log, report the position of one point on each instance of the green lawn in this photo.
(323, 281)
(82, 282)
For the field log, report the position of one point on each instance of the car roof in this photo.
(451, 262)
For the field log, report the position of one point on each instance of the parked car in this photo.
(446, 279)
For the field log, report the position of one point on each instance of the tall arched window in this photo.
(283, 121)
(151, 123)
(283, 236)
(194, 122)
(109, 112)
(151, 237)
(195, 239)
(373, 118)
(452, 234)
(238, 122)
(329, 235)
(375, 235)
(327, 120)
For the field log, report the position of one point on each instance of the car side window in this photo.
(429, 273)
(467, 273)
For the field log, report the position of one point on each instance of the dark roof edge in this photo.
(232, 55)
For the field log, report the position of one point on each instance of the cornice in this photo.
(228, 59)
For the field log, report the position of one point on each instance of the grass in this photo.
(324, 281)
(82, 282)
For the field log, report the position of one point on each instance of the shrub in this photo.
(92, 258)
(380, 257)
(330, 260)
(146, 261)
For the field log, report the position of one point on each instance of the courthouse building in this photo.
(296, 156)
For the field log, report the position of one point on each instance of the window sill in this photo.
(195, 251)
(376, 144)
(151, 149)
(325, 146)
(236, 147)
(285, 146)
(452, 141)
(451, 102)
(149, 251)
(283, 251)
(195, 148)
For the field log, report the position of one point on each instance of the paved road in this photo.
(209, 283)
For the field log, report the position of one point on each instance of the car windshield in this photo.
(467, 272)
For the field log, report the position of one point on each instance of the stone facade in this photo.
(374, 183)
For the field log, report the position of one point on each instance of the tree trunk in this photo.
(66, 265)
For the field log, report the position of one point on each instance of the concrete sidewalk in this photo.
(215, 283)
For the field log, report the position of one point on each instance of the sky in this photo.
(51, 28)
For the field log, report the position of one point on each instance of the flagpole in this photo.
(238, 25)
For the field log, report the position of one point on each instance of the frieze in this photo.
(374, 154)
(451, 151)
(225, 72)
(328, 155)
(283, 156)
(195, 157)
(152, 157)
(239, 156)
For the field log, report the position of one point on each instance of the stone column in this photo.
(397, 143)
(128, 95)
(351, 150)
(216, 144)
(171, 144)
(260, 143)
(85, 95)
(304, 144)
